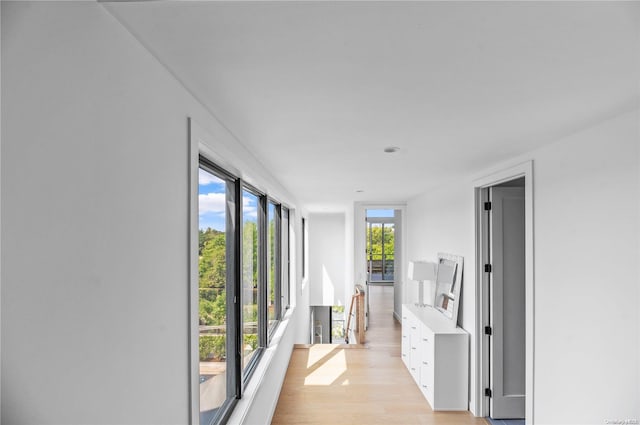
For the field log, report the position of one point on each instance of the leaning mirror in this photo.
(448, 284)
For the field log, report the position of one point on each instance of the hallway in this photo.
(350, 384)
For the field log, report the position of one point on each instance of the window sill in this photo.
(255, 384)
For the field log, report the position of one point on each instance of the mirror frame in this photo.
(447, 294)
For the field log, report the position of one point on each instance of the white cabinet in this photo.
(437, 356)
(405, 339)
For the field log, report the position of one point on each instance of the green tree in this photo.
(250, 254)
(212, 347)
(214, 312)
(374, 241)
(212, 277)
(212, 267)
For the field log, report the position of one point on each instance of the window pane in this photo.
(272, 240)
(304, 247)
(380, 213)
(380, 251)
(249, 276)
(337, 324)
(286, 297)
(388, 251)
(212, 294)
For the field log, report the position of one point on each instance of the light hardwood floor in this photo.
(338, 384)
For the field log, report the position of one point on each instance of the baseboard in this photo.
(340, 346)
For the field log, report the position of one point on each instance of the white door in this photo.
(507, 302)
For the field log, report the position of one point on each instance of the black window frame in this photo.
(232, 260)
(304, 247)
(277, 283)
(286, 259)
(250, 368)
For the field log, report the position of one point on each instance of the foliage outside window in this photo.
(250, 274)
(273, 261)
(380, 249)
(285, 283)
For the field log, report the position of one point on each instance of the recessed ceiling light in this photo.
(391, 149)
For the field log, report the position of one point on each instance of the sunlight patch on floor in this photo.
(318, 352)
(330, 369)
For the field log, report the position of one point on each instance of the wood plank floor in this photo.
(337, 384)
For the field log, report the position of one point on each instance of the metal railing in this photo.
(380, 268)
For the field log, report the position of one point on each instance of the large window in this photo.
(250, 277)
(216, 276)
(285, 283)
(304, 247)
(273, 262)
(237, 295)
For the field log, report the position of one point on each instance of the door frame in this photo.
(359, 245)
(481, 347)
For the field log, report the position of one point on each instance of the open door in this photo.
(507, 302)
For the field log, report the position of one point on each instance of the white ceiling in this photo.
(317, 89)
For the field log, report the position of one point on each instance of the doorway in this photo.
(380, 243)
(380, 252)
(369, 270)
(504, 215)
(504, 295)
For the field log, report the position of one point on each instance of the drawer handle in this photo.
(425, 339)
(425, 363)
(413, 327)
(404, 336)
(404, 355)
(413, 348)
(413, 368)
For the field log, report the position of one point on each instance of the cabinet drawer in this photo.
(426, 334)
(405, 316)
(405, 341)
(426, 382)
(414, 355)
(414, 331)
(426, 344)
(405, 349)
(414, 366)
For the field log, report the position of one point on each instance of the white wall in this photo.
(1, 133)
(586, 227)
(442, 221)
(586, 281)
(94, 220)
(327, 261)
(349, 265)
